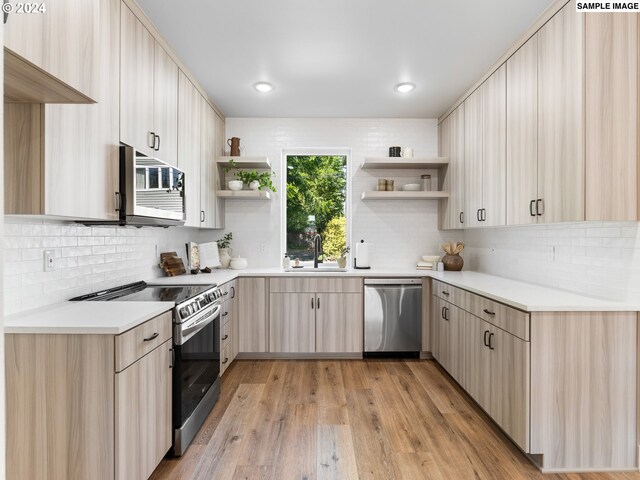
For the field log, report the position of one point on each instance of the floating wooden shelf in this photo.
(245, 162)
(405, 162)
(401, 195)
(245, 194)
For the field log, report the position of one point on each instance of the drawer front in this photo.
(451, 294)
(137, 342)
(229, 290)
(225, 335)
(225, 313)
(225, 358)
(513, 321)
(315, 285)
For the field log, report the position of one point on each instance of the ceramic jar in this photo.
(255, 185)
(239, 263)
(235, 185)
(225, 257)
(453, 263)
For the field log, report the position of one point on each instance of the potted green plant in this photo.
(224, 250)
(255, 180)
(342, 259)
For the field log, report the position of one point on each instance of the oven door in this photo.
(197, 362)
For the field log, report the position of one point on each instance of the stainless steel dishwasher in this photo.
(392, 317)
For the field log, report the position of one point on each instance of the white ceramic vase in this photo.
(235, 185)
(255, 185)
(225, 257)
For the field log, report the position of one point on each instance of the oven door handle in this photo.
(189, 332)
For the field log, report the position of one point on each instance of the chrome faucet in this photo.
(317, 249)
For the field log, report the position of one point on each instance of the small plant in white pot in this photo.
(224, 250)
(255, 180)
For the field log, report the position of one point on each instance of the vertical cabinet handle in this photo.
(484, 214)
(531, 204)
(312, 303)
(491, 335)
(540, 211)
(318, 303)
(442, 313)
(233, 292)
(152, 145)
(461, 217)
(158, 145)
(486, 344)
(202, 216)
(478, 215)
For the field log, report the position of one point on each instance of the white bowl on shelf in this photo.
(235, 185)
(411, 187)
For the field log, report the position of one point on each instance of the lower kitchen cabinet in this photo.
(476, 360)
(448, 319)
(228, 325)
(339, 323)
(92, 406)
(292, 322)
(252, 315)
(143, 414)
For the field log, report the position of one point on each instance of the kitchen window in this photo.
(316, 202)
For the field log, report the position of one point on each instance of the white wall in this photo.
(399, 231)
(87, 259)
(592, 258)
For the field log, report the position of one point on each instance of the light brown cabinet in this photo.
(339, 323)
(252, 315)
(148, 92)
(473, 129)
(449, 319)
(98, 422)
(143, 414)
(228, 325)
(451, 145)
(209, 210)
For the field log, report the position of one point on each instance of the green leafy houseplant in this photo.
(264, 178)
(225, 241)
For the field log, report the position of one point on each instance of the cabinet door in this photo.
(561, 160)
(292, 322)
(339, 322)
(494, 148)
(522, 134)
(473, 158)
(252, 315)
(136, 83)
(208, 167)
(165, 106)
(455, 319)
(442, 334)
(434, 324)
(476, 362)
(453, 147)
(219, 152)
(189, 118)
(143, 414)
(510, 385)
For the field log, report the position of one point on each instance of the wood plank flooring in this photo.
(350, 419)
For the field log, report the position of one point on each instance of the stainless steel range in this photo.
(196, 349)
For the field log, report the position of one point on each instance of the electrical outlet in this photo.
(263, 247)
(49, 261)
(551, 254)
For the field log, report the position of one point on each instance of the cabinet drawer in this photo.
(228, 290)
(225, 335)
(139, 341)
(451, 294)
(225, 313)
(513, 321)
(225, 358)
(315, 285)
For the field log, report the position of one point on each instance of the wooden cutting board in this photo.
(172, 264)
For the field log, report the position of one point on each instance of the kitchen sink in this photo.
(315, 270)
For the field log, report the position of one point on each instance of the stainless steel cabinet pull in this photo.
(152, 146)
(152, 337)
(225, 337)
(225, 360)
(483, 218)
(491, 335)
(461, 217)
(312, 303)
(445, 293)
(158, 146)
(233, 292)
(531, 204)
(202, 216)
(225, 314)
(225, 293)
(442, 313)
(478, 215)
(318, 302)
(540, 211)
(489, 312)
(486, 344)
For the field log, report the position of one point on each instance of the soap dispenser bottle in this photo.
(286, 261)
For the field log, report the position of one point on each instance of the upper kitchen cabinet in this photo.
(451, 145)
(190, 105)
(611, 83)
(522, 134)
(561, 140)
(51, 150)
(208, 169)
(485, 153)
(64, 42)
(148, 92)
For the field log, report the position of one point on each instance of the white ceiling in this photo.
(339, 58)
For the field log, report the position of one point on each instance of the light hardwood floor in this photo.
(351, 419)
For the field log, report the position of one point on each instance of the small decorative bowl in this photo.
(235, 185)
(411, 187)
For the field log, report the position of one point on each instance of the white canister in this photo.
(239, 263)
(407, 152)
(225, 257)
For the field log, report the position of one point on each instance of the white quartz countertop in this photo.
(111, 317)
(520, 295)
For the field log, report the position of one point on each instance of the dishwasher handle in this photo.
(393, 281)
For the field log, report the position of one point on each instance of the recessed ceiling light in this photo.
(263, 87)
(404, 87)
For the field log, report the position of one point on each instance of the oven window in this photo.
(197, 367)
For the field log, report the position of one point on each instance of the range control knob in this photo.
(184, 312)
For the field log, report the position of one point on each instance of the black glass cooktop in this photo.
(141, 292)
